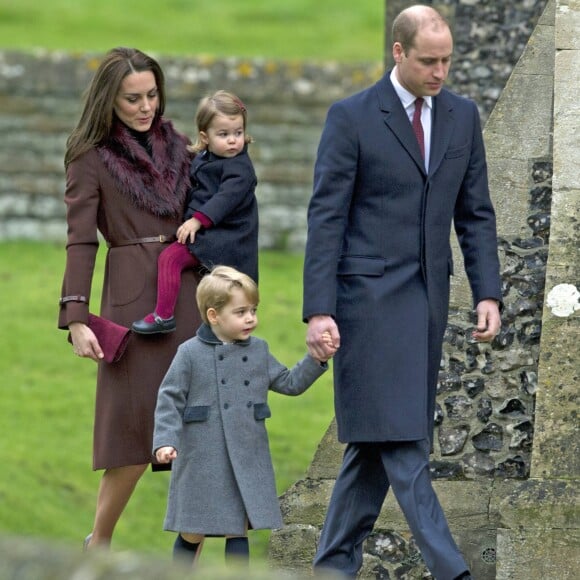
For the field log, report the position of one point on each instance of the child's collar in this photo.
(206, 334)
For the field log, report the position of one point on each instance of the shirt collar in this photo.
(407, 98)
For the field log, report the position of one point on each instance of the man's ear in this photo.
(212, 315)
(398, 52)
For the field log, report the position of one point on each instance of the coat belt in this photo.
(160, 239)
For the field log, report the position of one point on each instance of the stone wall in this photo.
(40, 100)
(287, 101)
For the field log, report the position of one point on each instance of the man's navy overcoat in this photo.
(378, 255)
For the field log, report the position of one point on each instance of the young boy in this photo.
(210, 420)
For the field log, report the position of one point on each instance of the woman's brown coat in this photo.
(123, 193)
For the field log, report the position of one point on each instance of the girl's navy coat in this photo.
(212, 408)
(223, 189)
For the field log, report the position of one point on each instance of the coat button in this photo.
(249, 404)
(246, 382)
(226, 406)
(245, 358)
(221, 357)
(223, 381)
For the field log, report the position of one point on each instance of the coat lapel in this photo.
(396, 119)
(441, 129)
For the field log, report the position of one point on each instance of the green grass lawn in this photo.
(317, 30)
(47, 488)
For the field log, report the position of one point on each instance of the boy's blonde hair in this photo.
(220, 102)
(215, 289)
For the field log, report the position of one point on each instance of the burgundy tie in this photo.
(417, 126)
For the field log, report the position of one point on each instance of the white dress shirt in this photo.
(408, 102)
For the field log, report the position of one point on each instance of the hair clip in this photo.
(238, 102)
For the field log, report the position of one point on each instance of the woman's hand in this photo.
(187, 230)
(84, 341)
(165, 454)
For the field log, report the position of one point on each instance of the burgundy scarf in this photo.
(157, 184)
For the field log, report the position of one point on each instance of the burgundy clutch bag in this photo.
(112, 337)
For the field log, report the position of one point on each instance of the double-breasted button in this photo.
(221, 357)
(223, 381)
(246, 382)
(245, 358)
(249, 404)
(226, 406)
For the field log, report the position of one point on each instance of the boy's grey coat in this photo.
(212, 407)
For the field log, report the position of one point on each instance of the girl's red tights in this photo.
(172, 261)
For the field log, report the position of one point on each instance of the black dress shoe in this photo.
(465, 576)
(159, 326)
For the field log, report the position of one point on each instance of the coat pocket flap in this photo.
(262, 411)
(361, 266)
(198, 413)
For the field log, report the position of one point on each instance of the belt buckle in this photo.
(162, 239)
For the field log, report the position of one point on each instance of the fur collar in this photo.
(157, 184)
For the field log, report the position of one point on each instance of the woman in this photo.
(127, 178)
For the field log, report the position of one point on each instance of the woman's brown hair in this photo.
(96, 118)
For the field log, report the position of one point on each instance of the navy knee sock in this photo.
(183, 549)
(237, 549)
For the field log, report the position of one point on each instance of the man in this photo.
(376, 277)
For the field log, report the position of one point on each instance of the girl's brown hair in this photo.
(220, 102)
(96, 118)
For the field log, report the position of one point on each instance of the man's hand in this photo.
(322, 337)
(488, 321)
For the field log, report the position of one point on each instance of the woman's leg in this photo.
(115, 489)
